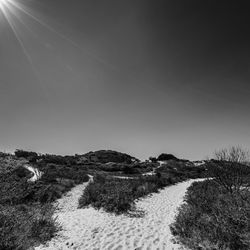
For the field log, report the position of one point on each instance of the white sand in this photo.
(36, 173)
(91, 229)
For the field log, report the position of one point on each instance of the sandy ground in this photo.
(92, 229)
(37, 174)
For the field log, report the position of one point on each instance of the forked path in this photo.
(91, 229)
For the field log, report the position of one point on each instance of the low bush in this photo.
(118, 195)
(24, 226)
(25, 154)
(26, 207)
(111, 167)
(105, 156)
(230, 175)
(213, 218)
(166, 157)
(54, 172)
(183, 170)
(130, 170)
(9, 162)
(16, 189)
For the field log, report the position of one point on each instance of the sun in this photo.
(2, 3)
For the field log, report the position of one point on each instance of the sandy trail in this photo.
(37, 174)
(91, 229)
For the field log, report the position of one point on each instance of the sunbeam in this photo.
(24, 10)
(31, 31)
(2, 3)
(21, 21)
(6, 11)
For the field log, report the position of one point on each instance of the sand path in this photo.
(36, 173)
(91, 229)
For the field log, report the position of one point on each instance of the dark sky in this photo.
(142, 77)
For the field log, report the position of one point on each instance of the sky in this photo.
(137, 76)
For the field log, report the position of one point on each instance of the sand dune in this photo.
(91, 229)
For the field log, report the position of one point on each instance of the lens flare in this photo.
(2, 3)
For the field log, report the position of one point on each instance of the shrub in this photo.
(25, 207)
(182, 171)
(15, 189)
(54, 171)
(213, 218)
(112, 167)
(118, 195)
(105, 156)
(230, 169)
(166, 157)
(9, 163)
(230, 175)
(44, 226)
(153, 159)
(22, 172)
(131, 170)
(113, 196)
(23, 226)
(26, 154)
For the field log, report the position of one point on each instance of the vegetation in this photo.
(216, 212)
(54, 182)
(31, 156)
(166, 157)
(230, 169)
(181, 171)
(26, 211)
(105, 156)
(53, 173)
(23, 226)
(118, 195)
(212, 218)
(26, 215)
(9, 163)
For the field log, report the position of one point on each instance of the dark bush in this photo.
(112, 167)
(166, 157)
(131, 170)
(24, 226)
(230, 175)
(105, 156)
(22, 172)
(25, 154)
(55, 159)
(153, 159)
(213, 218)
